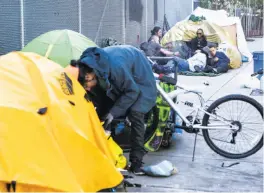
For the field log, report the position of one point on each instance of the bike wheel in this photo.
(249, 121)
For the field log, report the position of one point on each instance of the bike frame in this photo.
(169, 97)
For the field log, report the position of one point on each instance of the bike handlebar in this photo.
(166, 79)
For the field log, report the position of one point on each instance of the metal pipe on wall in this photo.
(101, 22)
(80, 15)
(22, 23)
(124, 21)
(146, 20)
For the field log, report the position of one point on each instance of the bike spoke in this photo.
(241, 110)
(247, 123)
(245, 139)
(231, 114)
(252, 129)
(217, 135)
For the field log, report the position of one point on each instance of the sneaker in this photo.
(136, 168)
(198, 68)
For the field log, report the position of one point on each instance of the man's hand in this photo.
(216, 59)
(176, 54)
(109, 118)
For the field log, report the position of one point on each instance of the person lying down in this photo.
(196, 63)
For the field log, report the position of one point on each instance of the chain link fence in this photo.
(127, 21)
(250, 13)
(252, 22)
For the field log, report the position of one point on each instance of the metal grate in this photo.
(45, 15)
(10, 33)
(127, 21)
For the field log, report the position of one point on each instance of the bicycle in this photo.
(193, 123)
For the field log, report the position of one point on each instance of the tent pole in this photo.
(22, 23)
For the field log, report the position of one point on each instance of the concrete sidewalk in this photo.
(206, 173)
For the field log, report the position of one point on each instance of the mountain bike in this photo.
(232, 126)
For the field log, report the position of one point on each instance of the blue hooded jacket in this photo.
(223, 60)
(128, 74)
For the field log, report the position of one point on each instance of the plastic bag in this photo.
(162, 169)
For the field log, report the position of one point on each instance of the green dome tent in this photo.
(60, 46)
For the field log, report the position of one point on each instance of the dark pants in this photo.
(137, 136)
(176, 64)
(103, 105)
(216, 69)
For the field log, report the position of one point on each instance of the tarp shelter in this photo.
(60, 46)
(228, 31)
(51, 138)
(232, 24)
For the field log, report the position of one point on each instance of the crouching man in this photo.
(125, 76)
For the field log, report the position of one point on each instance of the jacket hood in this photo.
(97, 59)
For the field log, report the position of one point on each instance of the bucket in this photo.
(258, 60)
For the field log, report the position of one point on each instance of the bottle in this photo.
(120, 127)
(178, 122)
(178, 131)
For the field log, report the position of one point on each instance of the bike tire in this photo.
(207, 138)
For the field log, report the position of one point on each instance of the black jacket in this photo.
(197, 44)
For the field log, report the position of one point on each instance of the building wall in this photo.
(10, 31)
(177, 10)
(127, 21)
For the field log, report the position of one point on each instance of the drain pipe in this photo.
(146, 20)
(124, 21)
(22, 23)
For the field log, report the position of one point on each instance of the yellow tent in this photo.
(186, 30)
(51, 138)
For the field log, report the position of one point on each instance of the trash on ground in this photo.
(251, 82)
(162, 169)
(257, 92)
(223, 164)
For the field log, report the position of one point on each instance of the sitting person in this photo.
(154, 49)
(199, 42)
(156, 35)
(193, 64)
(220, 62)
